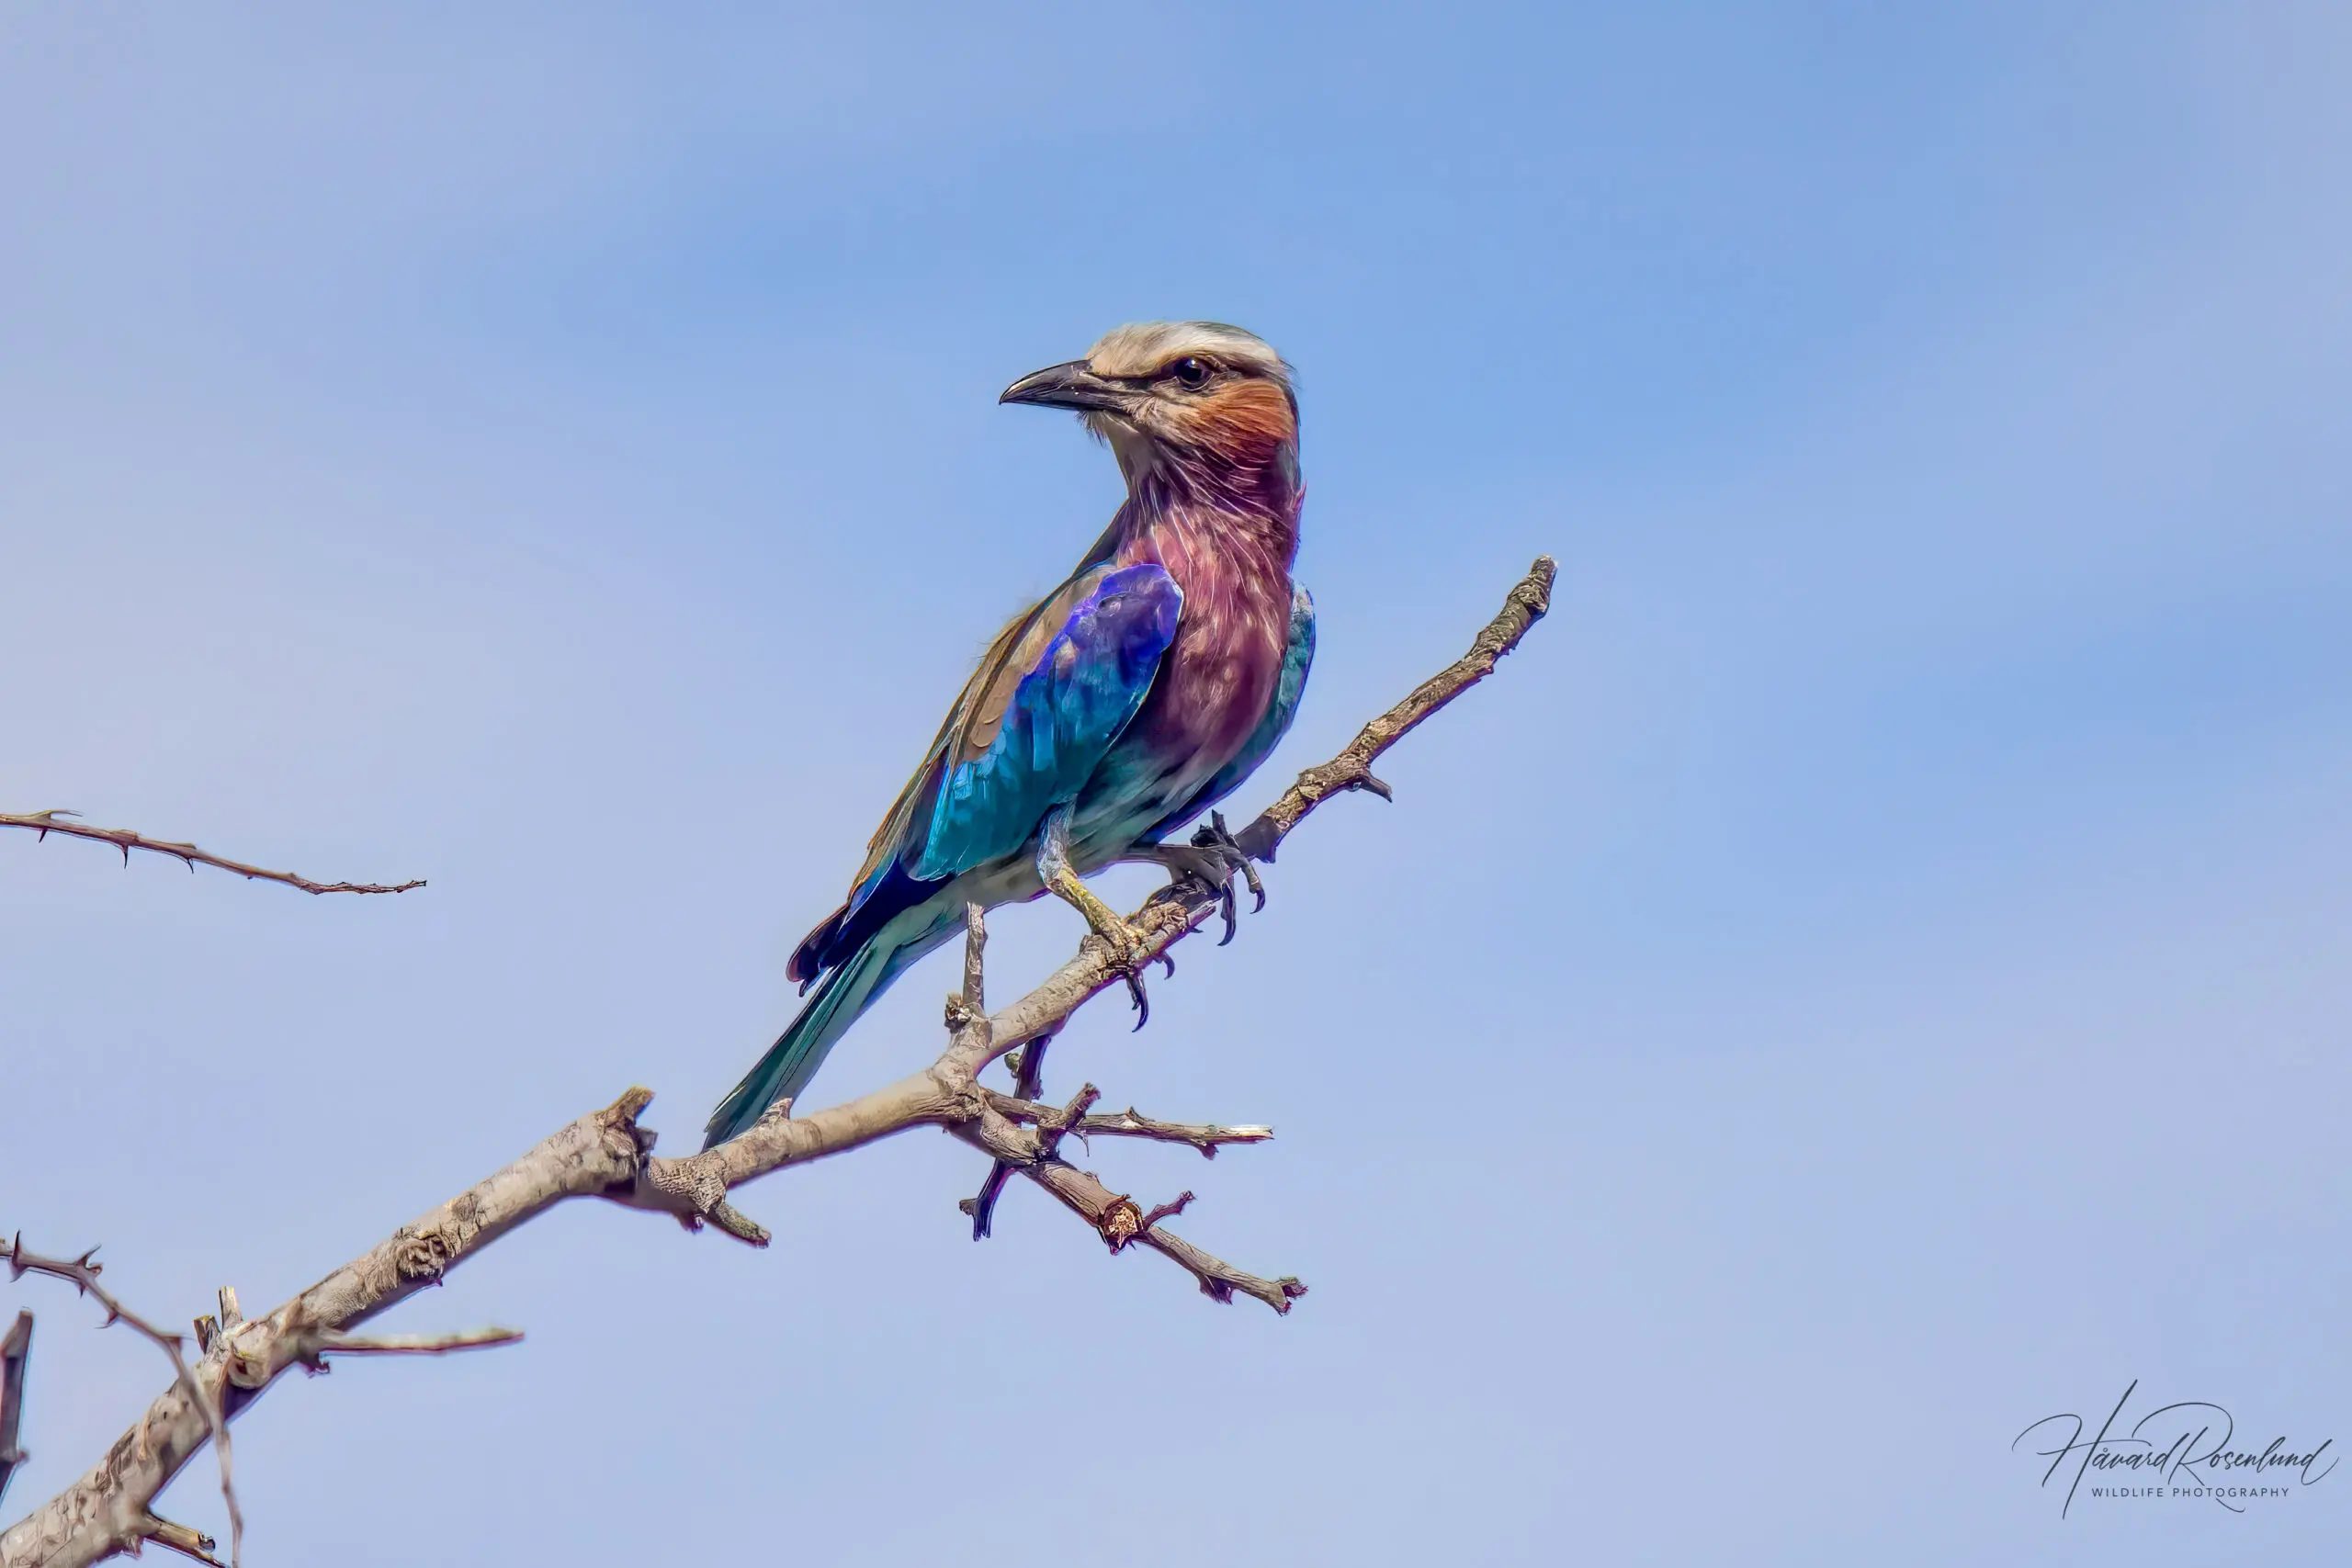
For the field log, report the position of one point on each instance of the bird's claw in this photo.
(1219, 849)
(1126, 950)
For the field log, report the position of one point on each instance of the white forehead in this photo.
(1144, 346)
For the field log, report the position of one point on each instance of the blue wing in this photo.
(1051, 695)
(1062, 716)
(1297, 657)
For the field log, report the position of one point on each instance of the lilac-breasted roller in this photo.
(1133, 697)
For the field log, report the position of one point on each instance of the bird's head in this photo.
(1196, 405)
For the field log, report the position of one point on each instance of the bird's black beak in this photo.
(1070, 386)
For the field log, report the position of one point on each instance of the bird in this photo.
(1121, 706)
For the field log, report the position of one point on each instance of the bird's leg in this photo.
(1213, 859)
(1127, 943)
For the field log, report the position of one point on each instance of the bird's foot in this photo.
(1212, 838)
(1126, 947)
(1214, 860)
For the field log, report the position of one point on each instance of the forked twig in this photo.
(82, 1274)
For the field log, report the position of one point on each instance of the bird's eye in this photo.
(1189, 372)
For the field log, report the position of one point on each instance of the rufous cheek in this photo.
(1248, 417)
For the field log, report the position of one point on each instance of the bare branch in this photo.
(414, 1344)
(1165, 1212)
(82, 1274)
(1128, 1123)
(1086, 1196)
(975, 943)
(181, 1540)
(55, 821)
(1054, 1127)
(1205, 1137)
(609, 1155)
(1351, 768)
(15, 1352)
(981, 1206)
(1028, 1066)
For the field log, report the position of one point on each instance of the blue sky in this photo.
(1869, 975)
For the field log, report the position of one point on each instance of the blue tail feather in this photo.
(839, 999)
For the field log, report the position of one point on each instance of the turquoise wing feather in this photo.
(1052, 696)
(1059, 720)
(1053, 692)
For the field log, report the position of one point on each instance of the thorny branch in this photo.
(82, 1274)
(57, 821)
(607, 1154)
